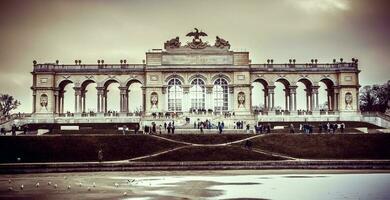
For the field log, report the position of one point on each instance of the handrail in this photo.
(5, 119)
(376, 114)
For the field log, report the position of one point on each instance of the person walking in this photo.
(100, 155)
(292, 128)
(173, 128)
(13, 130)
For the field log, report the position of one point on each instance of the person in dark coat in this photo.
(13, 130)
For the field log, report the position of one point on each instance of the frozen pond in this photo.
(275, 184)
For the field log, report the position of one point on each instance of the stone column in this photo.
(231, 98)
(209, 97)
(77, 99)
(271, 100)
(100, 93)
(62, 101)
(56, 101)
(105, 100)
(34, 101)
(123, 93)
(293, 98)
(83, 92)
(315, 93)
(143, 99)
(336, 99)
(186, 102)
(265, 99)
(309, 99)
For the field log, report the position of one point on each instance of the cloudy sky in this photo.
(112, 30)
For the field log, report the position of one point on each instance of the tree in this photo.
(7, 104)
(375, 98)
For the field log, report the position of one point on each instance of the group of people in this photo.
(14, 128)
(157, 129)
(331, 128)
(262, 128)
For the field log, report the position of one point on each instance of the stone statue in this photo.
(241, 99)
(44, 101)
(172, 43)
(154, 99)
(221, 43)
(348, 101)
(196, 41)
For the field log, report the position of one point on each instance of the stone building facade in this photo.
(197, 76)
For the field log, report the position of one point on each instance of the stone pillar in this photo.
(309, 99)
(315, 93)
(56, 101)
(293, 98)
(77, 99)
(271, 100)
(62, 101)
(336, 99)
(83, 92)
(265, 99)
(143, 99)
(231, 99)
(209, 97)
(123, 93)
(34, 101)
(105, 100)
(186, 101)
(100, 93)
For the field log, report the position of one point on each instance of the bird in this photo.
(21, 187)
(49, 183)
(37, 184)
(55, 186)
(68, 187)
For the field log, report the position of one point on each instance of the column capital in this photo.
(209, 89)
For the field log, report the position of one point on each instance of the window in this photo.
(197, 94)
(220, 93)
(175, 95)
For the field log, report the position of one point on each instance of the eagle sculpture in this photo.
(196, 35)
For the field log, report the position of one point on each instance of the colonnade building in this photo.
(193, 79)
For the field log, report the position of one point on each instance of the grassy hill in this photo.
(68, 148)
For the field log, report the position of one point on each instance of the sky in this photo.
(49, 30)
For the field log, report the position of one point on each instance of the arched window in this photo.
(220, 93)
(197, 94)
(175, 95)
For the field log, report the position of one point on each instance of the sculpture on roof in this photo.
(221, 43)
(172, 43)
(197, 41)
